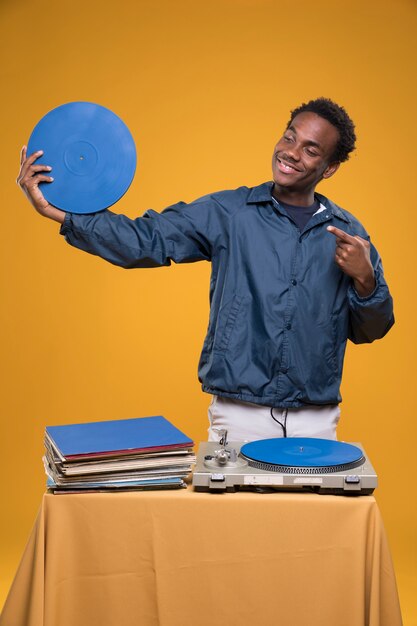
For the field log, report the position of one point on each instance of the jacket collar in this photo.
(263, 193)
(336, 211)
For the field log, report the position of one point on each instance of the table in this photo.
(172, 558)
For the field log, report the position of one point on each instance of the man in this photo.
(293, 277)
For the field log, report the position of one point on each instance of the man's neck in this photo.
(295, 197)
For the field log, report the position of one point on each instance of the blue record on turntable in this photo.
(302, 454)
(92, 155)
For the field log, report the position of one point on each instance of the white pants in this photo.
(245, 421)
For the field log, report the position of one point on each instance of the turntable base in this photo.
(290, 464)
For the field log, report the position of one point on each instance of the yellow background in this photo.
(205, 88)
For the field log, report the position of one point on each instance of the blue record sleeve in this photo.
(95, 439)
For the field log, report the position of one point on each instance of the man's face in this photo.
(303, 155)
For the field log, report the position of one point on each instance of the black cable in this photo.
(283, 425)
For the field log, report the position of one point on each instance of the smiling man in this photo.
(294, 277)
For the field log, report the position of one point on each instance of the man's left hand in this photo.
(353, 256)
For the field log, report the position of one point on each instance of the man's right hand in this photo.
(30, 175)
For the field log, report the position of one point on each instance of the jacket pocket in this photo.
(225, 331)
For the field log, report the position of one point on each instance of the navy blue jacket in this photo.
(281, 309)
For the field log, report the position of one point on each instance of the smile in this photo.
(286, 167)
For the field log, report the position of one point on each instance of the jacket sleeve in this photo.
(181, 233)
(371, 317)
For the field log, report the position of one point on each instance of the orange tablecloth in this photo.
(178, 558)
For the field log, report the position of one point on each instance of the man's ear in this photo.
(330, 170)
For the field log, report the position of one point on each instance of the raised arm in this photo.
(370, 302)
(182, 233)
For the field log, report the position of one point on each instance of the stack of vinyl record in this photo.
(117, 455)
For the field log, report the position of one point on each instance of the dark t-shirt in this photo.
(300, 215)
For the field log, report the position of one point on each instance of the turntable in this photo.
(284, 464)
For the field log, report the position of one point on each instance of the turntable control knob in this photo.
(222, 457)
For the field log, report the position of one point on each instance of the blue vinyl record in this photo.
(302, 452)
(92, 155)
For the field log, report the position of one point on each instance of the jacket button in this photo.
(288, 327)
(293, 282)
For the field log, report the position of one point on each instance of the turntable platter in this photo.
(302, 455)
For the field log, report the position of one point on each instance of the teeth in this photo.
(288, 168)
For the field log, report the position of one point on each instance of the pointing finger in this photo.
(340, 234)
